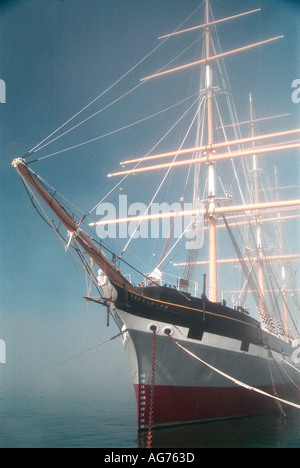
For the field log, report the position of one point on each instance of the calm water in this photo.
(54, 422)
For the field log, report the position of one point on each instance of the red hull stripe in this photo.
(175, 405)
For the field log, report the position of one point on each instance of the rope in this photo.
(145, 157)
(38, 374)
(165, 176)
(38, 147)
(274, 390)
(151, 404)
(293, 367)
(106, 134)
(284, 371)
(232, 379)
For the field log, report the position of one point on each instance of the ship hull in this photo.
(188, 391)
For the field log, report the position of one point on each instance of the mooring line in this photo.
(33, 376)
(232, 379)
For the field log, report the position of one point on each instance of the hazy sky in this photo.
(55, 57)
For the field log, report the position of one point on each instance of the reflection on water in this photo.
(106, 421)
(265, 431)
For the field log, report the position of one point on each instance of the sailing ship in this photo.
(193, 355)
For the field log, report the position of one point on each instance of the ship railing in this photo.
(171, 281)
(183, 285)
(174, 282)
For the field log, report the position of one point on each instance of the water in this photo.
(267, 431)
(69, 422)
(65, 422)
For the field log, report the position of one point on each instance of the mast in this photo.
(283, 272)
(259, 246)
(213, 279)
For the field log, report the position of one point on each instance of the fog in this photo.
(37, 346)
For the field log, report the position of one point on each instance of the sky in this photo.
(56, 56)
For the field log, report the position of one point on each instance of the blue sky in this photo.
(55, 57)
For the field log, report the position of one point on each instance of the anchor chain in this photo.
(151, 402)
